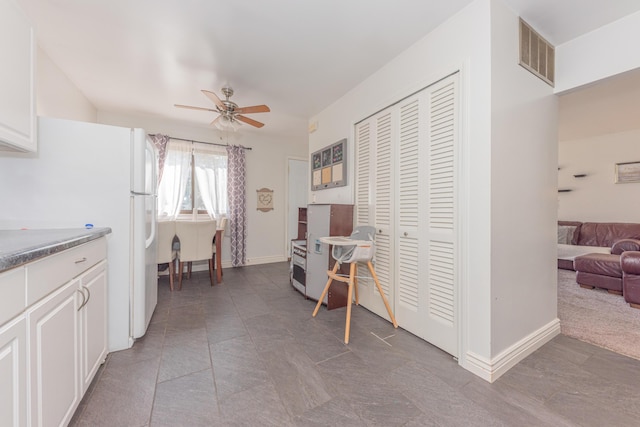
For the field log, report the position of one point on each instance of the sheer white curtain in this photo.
(210, 163)
(176, 173)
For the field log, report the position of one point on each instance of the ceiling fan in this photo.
(229, 110)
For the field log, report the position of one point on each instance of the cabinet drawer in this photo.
(12, 294)
(48, 274)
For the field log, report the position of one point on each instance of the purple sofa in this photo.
(604, 270)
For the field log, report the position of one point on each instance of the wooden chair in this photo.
(195, 245)
(221, 226)
(166, 253)
(359, 247)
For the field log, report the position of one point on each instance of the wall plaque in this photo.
(329, 166)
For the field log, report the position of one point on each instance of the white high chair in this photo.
(359, 247)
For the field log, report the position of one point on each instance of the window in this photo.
(194, 180)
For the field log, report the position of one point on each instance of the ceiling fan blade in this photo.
(249, 121)
(195, 108)
(252, 109)
(212, 96)
(216, 120)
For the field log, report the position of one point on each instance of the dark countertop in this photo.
(19, 247)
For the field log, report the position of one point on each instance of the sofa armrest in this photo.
(630, 262)
(625, 245)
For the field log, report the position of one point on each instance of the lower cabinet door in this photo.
(93, 322)
(13, 373)
(54, 348)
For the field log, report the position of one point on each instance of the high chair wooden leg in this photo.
(347, 326)
(326, 289)
(384, 298)
(355, 283)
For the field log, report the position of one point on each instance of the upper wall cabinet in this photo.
(17, 79)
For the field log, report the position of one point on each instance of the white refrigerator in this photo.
(87, 173)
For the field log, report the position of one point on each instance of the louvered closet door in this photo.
(412, 113)
(374, 203)
(425, 233)
(406, 173)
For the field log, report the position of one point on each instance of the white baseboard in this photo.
(491, 370)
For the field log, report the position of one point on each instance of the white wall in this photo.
(523, 196)
(266, 167)
(602, 53)
(57, 96)
(596, 197)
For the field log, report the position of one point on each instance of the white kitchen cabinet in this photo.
(17, 80)
(67, 330)
(93, 323)
(13, 349)
(53, 334)
(54, 347)
(13, 371)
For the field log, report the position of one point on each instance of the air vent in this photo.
(536, 54)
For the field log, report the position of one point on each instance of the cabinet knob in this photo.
(406, 234)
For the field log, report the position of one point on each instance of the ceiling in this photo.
(141, 57)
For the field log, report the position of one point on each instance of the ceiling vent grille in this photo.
(536, 54)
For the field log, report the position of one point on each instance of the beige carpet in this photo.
(597, 317)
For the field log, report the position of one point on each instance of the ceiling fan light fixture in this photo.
(230, 114)
(227, 124)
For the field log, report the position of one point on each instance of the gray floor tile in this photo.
(186, 401)
(122, 396)
(257, 406)
(236, 366)
(300, 385)
(184, 352)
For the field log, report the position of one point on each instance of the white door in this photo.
(144, 224)
(374, 203)
(406, 171)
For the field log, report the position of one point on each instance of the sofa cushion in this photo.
(602, 264)
(576, 233)
(565, 233)
(607, 233)
(572, 251)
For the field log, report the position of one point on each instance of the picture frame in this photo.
(627, 172)
(329, 166)
(265, 199)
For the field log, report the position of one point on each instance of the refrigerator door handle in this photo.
(154, 222)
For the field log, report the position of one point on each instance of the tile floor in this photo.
(248, 353)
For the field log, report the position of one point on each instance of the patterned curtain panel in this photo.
(236, 191)
(160, 141)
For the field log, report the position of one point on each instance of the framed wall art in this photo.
(329, 166)
(265, 199)
(627, 172)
